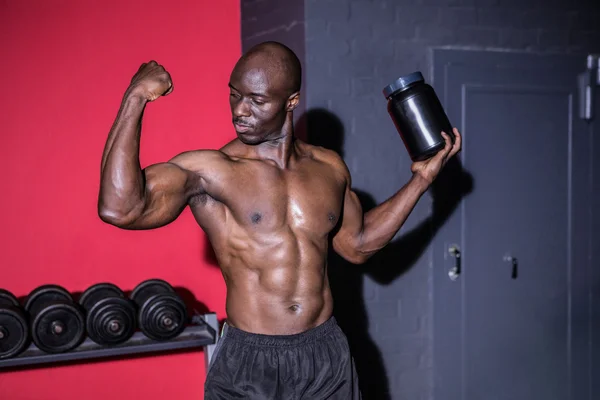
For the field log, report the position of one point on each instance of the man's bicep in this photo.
(166, 193)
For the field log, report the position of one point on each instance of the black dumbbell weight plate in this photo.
(149, 287)
(111, 317)
(14, 330)
(45, 293)
(8, 299)
(162, 314)
(57, 323)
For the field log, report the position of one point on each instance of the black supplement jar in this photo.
(418, 116)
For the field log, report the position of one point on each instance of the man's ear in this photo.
(293, 101)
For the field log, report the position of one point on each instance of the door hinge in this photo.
(588, 81)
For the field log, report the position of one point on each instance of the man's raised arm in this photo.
(132, 198)
(362, 235)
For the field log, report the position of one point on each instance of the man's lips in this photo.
(241, 127)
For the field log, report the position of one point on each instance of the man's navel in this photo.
(294, 307)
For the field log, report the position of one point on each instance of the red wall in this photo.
(64, 66)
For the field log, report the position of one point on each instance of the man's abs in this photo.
(256, 309)
(277, 286)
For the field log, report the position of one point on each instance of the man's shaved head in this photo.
(279, 62)
(264, 91)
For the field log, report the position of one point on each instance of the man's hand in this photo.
(151, 81)
(429, 169)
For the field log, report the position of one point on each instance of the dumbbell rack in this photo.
(203, 332)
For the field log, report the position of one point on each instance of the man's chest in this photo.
(308, 198)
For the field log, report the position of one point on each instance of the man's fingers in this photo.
(443, 153)
(457, 143)
(448, 145)
(170, 90)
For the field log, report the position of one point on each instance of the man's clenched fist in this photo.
(151, 81)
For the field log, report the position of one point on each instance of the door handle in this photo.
(514, 263)
(455, 271)
(587, 82)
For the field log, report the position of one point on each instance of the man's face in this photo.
(258, 104)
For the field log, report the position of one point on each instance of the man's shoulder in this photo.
(328, 157)
(204, 154)
(195, 159)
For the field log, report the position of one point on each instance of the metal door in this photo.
(511, 266)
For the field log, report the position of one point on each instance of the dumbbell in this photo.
(162, 314)
(57, 322)
(110, 315)
(14, 328)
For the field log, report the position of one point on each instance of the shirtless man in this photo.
(269, 203)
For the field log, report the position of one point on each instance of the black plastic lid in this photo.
(402, 83)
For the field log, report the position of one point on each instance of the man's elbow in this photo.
(115, 217)
(111, 217)
(357, 257)
(353, 253)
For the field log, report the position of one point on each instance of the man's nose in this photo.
(241, 109)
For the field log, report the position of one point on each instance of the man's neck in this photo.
(281, 148)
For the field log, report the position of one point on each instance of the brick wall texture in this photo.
(350, 50)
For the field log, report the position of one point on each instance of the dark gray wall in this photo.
(355, 48)
(352, 49)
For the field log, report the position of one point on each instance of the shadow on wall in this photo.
(321, 127)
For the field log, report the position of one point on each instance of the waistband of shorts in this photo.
(311, 335)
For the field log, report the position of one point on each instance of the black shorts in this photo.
(315, 365)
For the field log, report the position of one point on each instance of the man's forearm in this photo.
(384, 221)
(122, 182)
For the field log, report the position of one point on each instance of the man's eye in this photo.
(259, 102)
